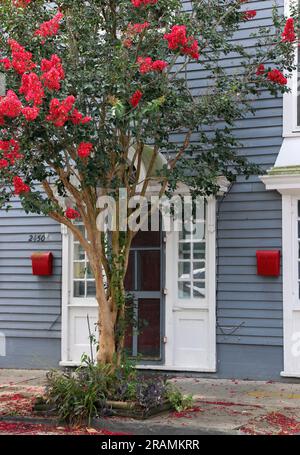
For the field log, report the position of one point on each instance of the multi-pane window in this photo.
(83, 280)
(191, 260)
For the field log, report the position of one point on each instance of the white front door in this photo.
(190, 300)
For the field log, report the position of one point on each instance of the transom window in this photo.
(192, 260)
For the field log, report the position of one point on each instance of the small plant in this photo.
(178, 400)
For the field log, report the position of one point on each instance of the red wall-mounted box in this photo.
(268, 263)
(42, 264)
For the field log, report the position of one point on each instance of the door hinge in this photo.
(165, 291)
(165, 340)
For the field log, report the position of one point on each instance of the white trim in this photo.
(65, 293)
(209, 303)
(289, 187)
(286, 374)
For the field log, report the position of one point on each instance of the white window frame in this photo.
(290, 120)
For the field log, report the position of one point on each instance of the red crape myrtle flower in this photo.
(72, 214)
(147, 65)
(32, 89)
(84, 149)
(20, 186)
(53, 72)
(135, 29)
(21, 3)
(260, 70)
(3, 163)
(10, 106)
(11, 150)
(138, 3)
(50, 28)
(277, 77)
(30, 113)
(288, 34)
(250, 14)
(136, 98)
(179, 41)
(6, 63)
(77, 118)
(21, 59)
(59, 111)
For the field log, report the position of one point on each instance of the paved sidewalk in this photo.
(221, 406)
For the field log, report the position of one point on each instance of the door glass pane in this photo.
(79, 289)
(149, 328)
(191, 260)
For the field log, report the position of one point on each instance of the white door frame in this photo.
(209, 303)
(288, 185)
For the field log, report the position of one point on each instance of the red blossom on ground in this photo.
(139, 3)
(277, 77)
(260, 70)
(179, 41)
(32, 89)
(250, 14)
(21, 59)
(288, 34)
(136, 98)
(84, 149)
(72, 214)
(30, 113)
(20, 186)
(51, 27)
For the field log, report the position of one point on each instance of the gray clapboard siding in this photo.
(30, 306)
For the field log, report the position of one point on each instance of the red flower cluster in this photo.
(250, 14)
(3, 163)
(20, 186)
(138, 3)
(135, 29)
(147, 65)
(72, 214)
(32, 89)
(277, 77)
(21, 59)
(60, 111)
(179, 41)
(10, 106)
(6, 63)
(84, 149)
(11, 151)
(77, 118)
(53, 72)
(30, 113)
(50, 28)
(21, 3)
(288, 34)
(136, 98)
(260, 70)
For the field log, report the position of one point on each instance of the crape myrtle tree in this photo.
(92, 84)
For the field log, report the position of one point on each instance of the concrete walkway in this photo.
(221, 406)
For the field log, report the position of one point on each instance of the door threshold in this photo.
(176, 368)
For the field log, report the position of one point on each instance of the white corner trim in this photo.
(286, 374)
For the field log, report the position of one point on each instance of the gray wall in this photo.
(30, 306)
(249, 307)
